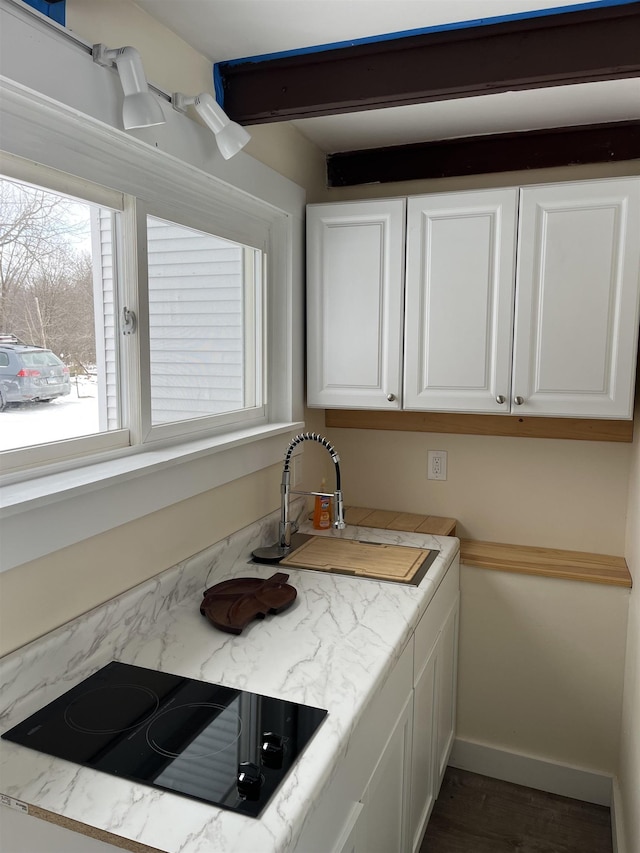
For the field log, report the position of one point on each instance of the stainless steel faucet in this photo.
(287, 527)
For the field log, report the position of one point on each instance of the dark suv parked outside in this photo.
(29, 373)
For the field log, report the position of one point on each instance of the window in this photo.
(57, 317)
(201, 332)
(146, 457)
(205, 324)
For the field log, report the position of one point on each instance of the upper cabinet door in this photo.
(459, 301)
(577, 299)
(355, 283)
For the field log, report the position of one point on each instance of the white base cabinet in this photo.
(434, 702)
(386, 809)
(517, 301)
(382, 794)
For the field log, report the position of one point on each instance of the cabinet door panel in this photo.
(423, 765)
(447, 675)
(386, 808)
(355, 282)
(459, 300)
(577, 299)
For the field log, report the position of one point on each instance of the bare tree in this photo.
(54, 307)
(34, 226)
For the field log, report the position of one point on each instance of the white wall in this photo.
(525, 491)
(173, 66)
(541, 667)
(71, 581)
(627, 789)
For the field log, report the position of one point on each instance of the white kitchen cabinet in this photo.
(549, 329)
(349, 839)
(577, 292)
(355, 270)
(461, 262)
(423, 766)
(386, 808)
(381, 795)
(517, 302)
(446, 691)
(434, 703)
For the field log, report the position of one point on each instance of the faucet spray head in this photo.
(276, 552)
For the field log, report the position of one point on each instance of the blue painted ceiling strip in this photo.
(55, 11)
(218, 68)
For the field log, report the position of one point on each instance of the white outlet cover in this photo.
(437, 465)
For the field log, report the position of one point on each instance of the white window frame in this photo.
(75, 130)
(198, 220)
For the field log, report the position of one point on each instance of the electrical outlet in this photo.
(437, 465)
(296, 471)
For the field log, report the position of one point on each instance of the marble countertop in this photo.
(333, 649)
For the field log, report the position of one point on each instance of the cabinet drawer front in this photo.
(577, 299)
(459, 300)
(355, 283)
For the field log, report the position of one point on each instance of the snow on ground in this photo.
(38, 423)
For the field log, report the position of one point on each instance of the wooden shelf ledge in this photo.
(546, 562)
(512, 426)
(408, 522)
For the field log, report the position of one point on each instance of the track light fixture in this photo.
(140, 108)
(230, 136)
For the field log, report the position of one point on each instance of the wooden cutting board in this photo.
(348, 556)
(232, 604)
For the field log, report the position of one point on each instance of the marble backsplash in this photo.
(45, 668)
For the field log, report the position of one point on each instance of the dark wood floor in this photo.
(475, 814)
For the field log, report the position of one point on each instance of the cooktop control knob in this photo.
(250, 780)
(272, 750)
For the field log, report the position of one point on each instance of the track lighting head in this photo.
(140, 108)
(230, 136)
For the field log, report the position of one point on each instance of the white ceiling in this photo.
(233, 29)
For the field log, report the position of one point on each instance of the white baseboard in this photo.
(533, 772)
(617, 826)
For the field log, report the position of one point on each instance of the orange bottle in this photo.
(322, 510)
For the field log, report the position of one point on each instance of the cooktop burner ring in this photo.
(191, 708)
(145, 698)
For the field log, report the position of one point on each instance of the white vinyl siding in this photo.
(196, 294)
(104, 289)
(196, 321)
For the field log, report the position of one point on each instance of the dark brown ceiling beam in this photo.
(474, 155)
(550, 50)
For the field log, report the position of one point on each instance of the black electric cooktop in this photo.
(227, 747)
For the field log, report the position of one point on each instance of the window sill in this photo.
(65, 507)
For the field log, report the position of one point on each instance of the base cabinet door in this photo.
(434, 700)
(423, 788)
(447, 674)
(385, 816)
(348, 840)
